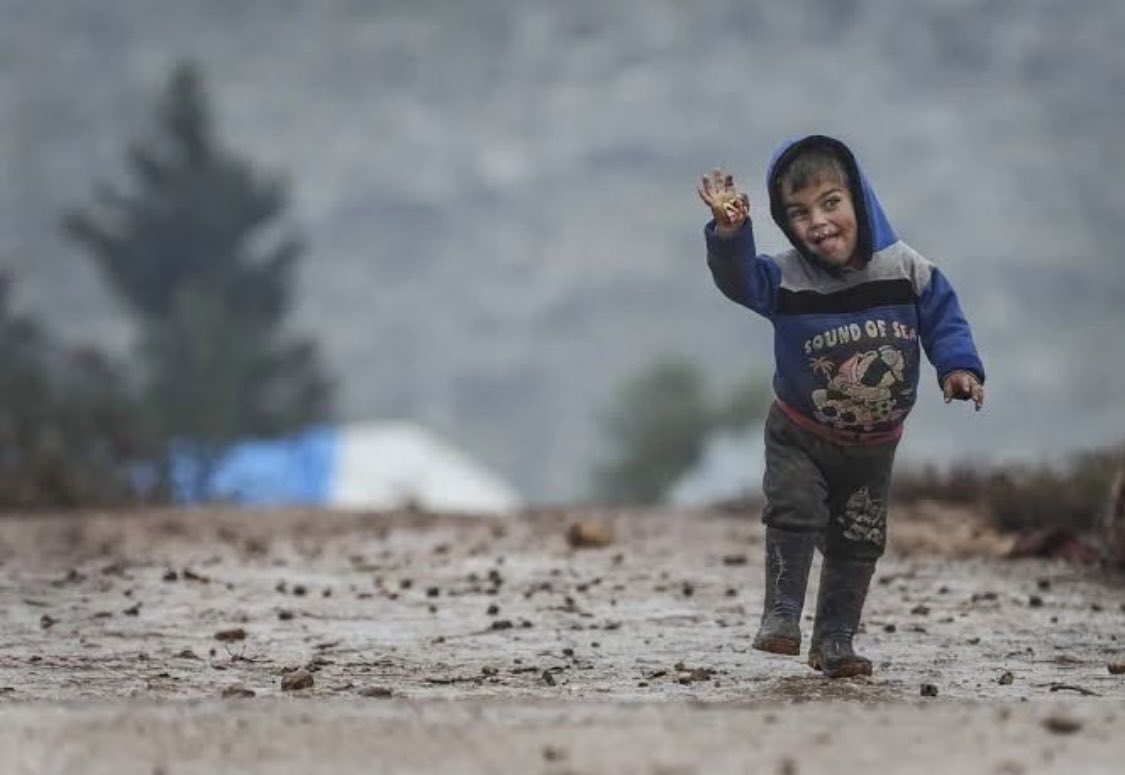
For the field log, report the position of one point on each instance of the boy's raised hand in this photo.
(963, 385)
(729, 206)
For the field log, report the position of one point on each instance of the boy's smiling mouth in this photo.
(824, 234)
(822, 219)
(827, 242)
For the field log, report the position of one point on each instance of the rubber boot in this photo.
(788, 558)
(843, 590)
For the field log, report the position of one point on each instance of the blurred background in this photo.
(473, 224)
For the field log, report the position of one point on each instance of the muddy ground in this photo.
(455, 644)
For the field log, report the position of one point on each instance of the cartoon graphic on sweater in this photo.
(863, 391)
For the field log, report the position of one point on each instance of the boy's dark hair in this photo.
(813, 165)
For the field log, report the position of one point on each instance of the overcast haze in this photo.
(498, 196)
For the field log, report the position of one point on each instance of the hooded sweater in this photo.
(846, 340)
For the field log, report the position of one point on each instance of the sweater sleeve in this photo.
(945, 332)
(742, 276)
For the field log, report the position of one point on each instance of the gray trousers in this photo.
(837, 491)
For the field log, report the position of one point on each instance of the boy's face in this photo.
(822, 217)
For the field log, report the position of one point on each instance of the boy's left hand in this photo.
(729, 206)
(963, 385)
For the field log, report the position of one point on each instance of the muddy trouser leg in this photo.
(796, 514)
(856, 537)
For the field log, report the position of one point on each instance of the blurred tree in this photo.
(659, 424)
(745, 406)
(68, 433)
(195, 252)
(656, 427)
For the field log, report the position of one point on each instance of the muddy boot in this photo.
(843, 589)
(788, 557)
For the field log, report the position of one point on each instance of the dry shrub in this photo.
(67, 420)
(961, 483)
(1024, 497)
(1113, 529)
(929, 528)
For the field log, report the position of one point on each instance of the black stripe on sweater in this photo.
(878, 293)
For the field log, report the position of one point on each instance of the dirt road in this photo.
(455, 644)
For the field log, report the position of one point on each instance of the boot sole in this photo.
(846, 670)
(849, 670)
(790, 648)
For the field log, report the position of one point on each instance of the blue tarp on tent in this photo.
(297, 470)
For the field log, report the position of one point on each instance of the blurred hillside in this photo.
(498, 196)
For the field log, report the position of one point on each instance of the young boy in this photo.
(850, 304)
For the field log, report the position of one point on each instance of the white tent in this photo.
(390, 464)
(371, 465)
(731, 467)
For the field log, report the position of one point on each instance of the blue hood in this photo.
(875, 231)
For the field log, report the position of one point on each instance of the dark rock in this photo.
(297, 680)
(231, 635)
(1061, 724)
(589, 534)
(553, 753)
